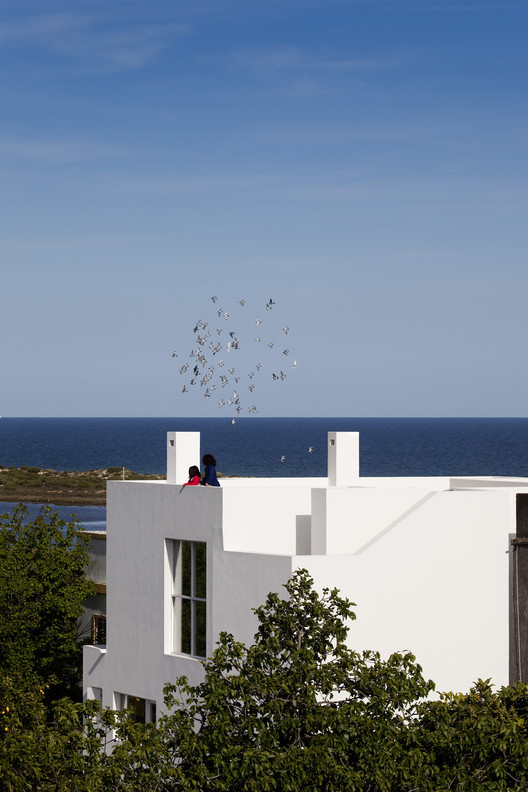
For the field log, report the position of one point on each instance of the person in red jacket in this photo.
(194, 476)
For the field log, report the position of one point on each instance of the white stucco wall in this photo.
(136, 660)
(346, 519)
(436, 583)
(140, 519)
(264, 520)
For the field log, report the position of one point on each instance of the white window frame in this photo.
(176, 599)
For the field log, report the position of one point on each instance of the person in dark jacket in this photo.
(209, 479)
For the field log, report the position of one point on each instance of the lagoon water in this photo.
(91, 518)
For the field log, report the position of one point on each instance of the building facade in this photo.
(428, 562)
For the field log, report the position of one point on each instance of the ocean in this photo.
(254, 446)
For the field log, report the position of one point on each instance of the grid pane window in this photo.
(189, 588)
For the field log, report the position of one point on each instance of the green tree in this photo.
(50, 748)
(297, 710)
(42, 589)
(476, 741)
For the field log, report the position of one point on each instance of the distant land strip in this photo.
(63, 488)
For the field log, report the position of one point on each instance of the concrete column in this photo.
(343, 459)
(183, 450)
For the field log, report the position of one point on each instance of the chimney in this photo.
(343, 459)
(183, 450)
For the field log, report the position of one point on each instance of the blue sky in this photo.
(362, 163)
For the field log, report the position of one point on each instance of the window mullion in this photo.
(193, 591)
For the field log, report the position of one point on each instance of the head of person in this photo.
(193, 471)
(208, 459)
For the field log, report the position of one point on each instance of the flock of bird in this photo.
(217, 363)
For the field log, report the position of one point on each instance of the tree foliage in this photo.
(475, 742)
(296, 710)
(300, 710)
(47, 748)
(42, 589)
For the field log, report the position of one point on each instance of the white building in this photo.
(427, 560)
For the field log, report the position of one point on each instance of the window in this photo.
(141, 710)
(99, 629)
(188, 562)
(95, 693)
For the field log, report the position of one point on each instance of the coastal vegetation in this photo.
(79, 488)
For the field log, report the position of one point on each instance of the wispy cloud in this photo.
(71, 242)
(295, 60)
(57, 152)
(113, 45)
(363, 187)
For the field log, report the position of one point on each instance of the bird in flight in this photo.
(206, 346)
